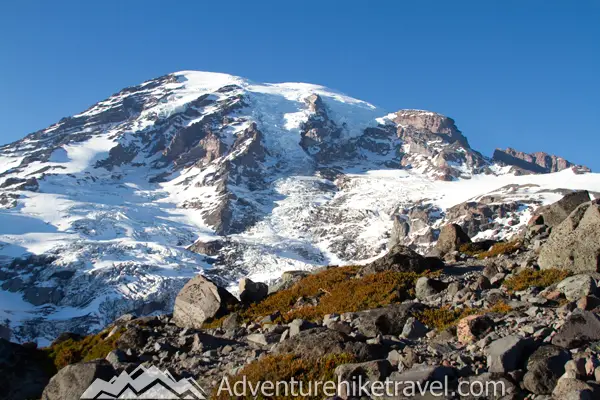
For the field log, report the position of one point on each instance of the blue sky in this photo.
(511, 73)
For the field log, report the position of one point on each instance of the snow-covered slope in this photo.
(112, 210)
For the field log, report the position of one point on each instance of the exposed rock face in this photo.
(199, 300)
(433, 143)
(451, 238)
(573, 244)
(537, 163)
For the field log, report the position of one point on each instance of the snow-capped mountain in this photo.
(114, 209)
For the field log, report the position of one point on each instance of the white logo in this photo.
(144, 383)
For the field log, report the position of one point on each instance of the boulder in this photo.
(427, 287)
(318, 342)
(545, 366)
(451, 238)
(418, 376)
(470, 328)
(370, 371)
(398, 259)
(569, 387)
(588, 303)
(252, 292)
(386, 320)
(22, 376)
(199, 300)
(573, 244)
(579, 329)
(555, 213)
(507, 354)
(575, 287)
(414, 329)
(71, 382)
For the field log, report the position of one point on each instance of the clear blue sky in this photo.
(511, 73)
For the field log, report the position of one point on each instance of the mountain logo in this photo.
(144, 383)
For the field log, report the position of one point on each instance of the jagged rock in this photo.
(72, 381)
(573, 244)
(470, 328)
(317, 342)
(575, 287)
(388, 320)
(199, 300)
(537, 163)
(22, 376)
(427, 287)
(580, 328)
(252, 292)
(399, 259)
(544, 367)
(507, 354)
(210, 248)
(451, 238)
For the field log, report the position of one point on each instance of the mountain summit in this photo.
(112, 210)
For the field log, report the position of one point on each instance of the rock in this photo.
(451, 238)
(370, 371)
(580, 328)
(420, 375)
(568, 387)
(499, 387)
(398, 259)
(573, 244)
(544, 367)
(388, 320)
(470, 328)
(263, 339)
(427, 287)
(210, 248)
(199, 300)
(555, 213)
(71, 382)
(288, 279)
(414, 329)
(299, 325)
(252, 292)
(588, 303)
(317, 342)
(22, 375)
(5, 332)
(575, 287)
(507, 354)
(42, 295)
(232, 322)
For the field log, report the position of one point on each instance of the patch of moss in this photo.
(89, 348)
(533, 278)
(339, 291)
(282, 368)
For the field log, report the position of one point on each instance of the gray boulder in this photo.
(579, 329)
(252, 292)
(578, 286)
(72, 381)
(573, 244)
(556, 213)
(451, 238)
(507, 354)
(199, 300)
(427, 287)
(545, 366)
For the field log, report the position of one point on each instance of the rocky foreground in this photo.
(525, 313)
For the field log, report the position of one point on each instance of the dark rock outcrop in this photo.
(537, 163)
(400, 259)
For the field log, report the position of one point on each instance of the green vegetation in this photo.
(532, 278)
(285, 367)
